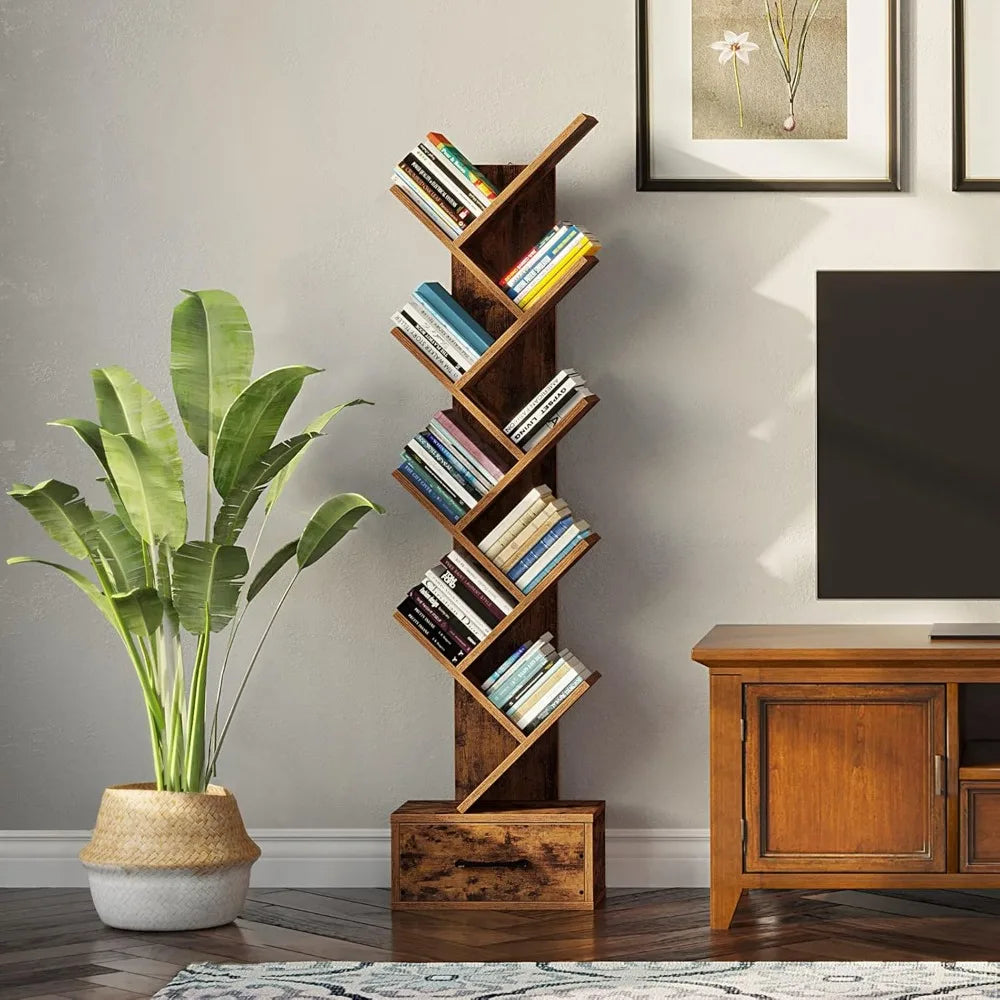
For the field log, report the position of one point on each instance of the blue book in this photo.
(539, 548)
(555, 562)
(453, 462)
(446, 309)
(445, 504)
(500, 693)
(540, 265)
(501, 670)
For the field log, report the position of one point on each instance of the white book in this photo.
(460, 350)
(548, 677)
(552, 403)
(554, 554)
(437, 467)
(540, 398)
(554, 416)
(444, 164)
(532, 532)
(539, 493)
(570, 247)
(457, 607)
(431, 336)
(451, 442)
(422, 200)
(570, 680)
(425, 346)
(518, 526)
(501, 600)
(539, 645)
(445, 180)
(537, 254)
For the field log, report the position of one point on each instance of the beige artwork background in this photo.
(821, 98)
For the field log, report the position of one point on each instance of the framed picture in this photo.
(774, 95)
(977, 142)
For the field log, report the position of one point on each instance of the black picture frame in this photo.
(960, 179)
(645, 181)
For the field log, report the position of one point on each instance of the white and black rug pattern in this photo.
(588, 981)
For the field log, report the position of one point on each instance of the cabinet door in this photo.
(843, 777)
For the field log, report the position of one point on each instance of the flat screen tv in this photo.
(908, 434)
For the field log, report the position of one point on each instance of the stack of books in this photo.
(449, 467)
(443, 184)
(547, 408)
(534, 538)
(533, 681)
(543, 266)
(455, 606)
(442, 329)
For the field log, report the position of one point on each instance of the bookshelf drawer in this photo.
(546, 862)
(980, 840)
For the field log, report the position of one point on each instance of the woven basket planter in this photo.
(168, 861)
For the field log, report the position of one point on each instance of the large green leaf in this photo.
(251, 423)
(87, 586)
(125, 406)
(119, 549)
(316, 428)
(89, 433)
(149, 490)
(140, 610)
(332, 520)
(116, 502)
(211, 358)
(236, 507)
(206, 584)
(61, 511)
(271, 567)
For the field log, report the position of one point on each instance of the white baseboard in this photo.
(341, 858)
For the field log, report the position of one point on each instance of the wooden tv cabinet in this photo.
(847, 756)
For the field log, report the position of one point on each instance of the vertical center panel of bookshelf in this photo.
(480, 742)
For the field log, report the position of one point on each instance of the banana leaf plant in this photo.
(151, 580)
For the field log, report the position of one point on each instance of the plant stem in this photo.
(739, 93)
(246, 676)
(194, 757)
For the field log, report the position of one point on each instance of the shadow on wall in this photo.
(683, 351)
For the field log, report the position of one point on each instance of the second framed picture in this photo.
(977, 139)
(781, 95)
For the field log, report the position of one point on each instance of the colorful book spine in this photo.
(453, 462)
(546, 243)
(511, 528)
(540, 645)
(427, 194)
(525, 671)
(522, 507)
(413, 321)
(544, 261)
(540, 548)
(491, 617)
(457, 347)
(441, 642)
(488, 463)
(456, 629)
(412, 166)
(556, 272)
(448, 311)
(499, 599)
(530, 533)
(558, 673)
(441, 142)
(530, 726)
(425, 346)
(445, 169)
(447, 182)
(556, 559)
(495, 676)
(436, 467)
(460, 610)
(420, 464)
(443, 503)
(473, 587)
(428, 207)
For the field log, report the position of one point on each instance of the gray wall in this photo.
(246, 144)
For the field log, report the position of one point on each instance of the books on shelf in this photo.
(442, 330)
(449, 466)
(534, 681)
(443, 184)
(534, 538)
(544, 410)
(547, 262)
(455, 606)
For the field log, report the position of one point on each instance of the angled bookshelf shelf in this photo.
(495, 759)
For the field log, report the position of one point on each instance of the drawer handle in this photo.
(515, 863)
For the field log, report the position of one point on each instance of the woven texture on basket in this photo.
(139, 827)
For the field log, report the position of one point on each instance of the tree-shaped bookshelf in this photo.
(494, 759)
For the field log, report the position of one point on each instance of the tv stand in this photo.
(966, 630)
(851, 757)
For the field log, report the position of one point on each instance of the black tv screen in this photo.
(908, 434)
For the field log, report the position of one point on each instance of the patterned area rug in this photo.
(588, 981)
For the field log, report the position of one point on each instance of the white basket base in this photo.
(174, 900)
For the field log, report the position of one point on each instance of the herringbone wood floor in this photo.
(52, 945)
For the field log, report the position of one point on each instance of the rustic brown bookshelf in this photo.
(496, 764)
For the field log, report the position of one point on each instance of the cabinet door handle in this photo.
(515, 863)
(939, 776)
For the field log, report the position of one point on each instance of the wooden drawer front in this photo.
(486, 863)
(980, 826)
